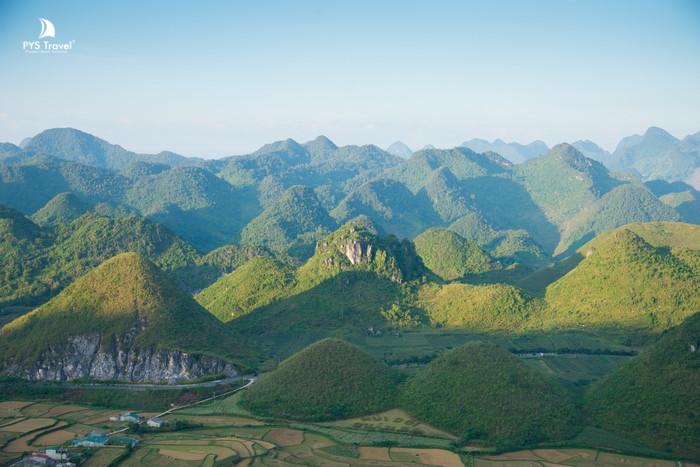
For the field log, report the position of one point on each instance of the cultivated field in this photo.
(226, 437)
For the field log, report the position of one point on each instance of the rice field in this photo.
(380, 440)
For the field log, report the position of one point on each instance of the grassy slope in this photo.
(478, 307)
(625, 281)
(124, 293)
(655, 398)
(256, 283)
(451, 256)
(330, 379)
(480, 391)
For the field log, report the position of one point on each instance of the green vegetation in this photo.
(291, 225)
(450, 256)
(654, 398)
(477, 307)
(256, 283)
(627, 203)
(123, 294)
(482, 392)
(625, 281)
(61, 209)
(77, 146)
(330, 379)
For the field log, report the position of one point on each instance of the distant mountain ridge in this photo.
(514, 152)
(78, 146)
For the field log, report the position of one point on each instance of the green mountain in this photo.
(514, 152)
(328, 380)
(627, 203)
(564, 181)
(30, 184)
(22, 244)
(39, 263)
(451, 256)
(342, 290)
(482, 392)
(356, 246)
(194, 203)
(657, 155)
(63, 208)
(292, 225)
(624, 281)
(654, 398)
(682, 197)
(505, 245)
(256, 283)
(127, 302)
(492, 307)
(462, 162)
(77, 146)
(391, 205)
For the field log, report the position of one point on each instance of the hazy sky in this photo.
(220, 78)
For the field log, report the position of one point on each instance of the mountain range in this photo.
(161, 268)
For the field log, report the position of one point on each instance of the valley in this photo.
(447, 308)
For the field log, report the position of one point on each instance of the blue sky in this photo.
(219, 78)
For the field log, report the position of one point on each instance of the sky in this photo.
(213, 78)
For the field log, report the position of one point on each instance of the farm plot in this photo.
(395, 420)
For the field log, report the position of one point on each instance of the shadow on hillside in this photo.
(536, 282)
(508, 205)
(347, 304)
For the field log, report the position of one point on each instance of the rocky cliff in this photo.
(87, 357)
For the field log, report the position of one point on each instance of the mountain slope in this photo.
(654, 398)
(623, 281)
(514, 152)
(451, 256)
(292, 225)
(627, 203)
(256, 283)
(399, 149)
(482, 392)
(657, 155)
(330, 379)
(391, 205)
(77, 146)
(194, 203)
(61, 209)
(125, 304)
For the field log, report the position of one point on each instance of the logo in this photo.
(48, 31)
(47, 28)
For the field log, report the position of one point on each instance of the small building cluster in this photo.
(53, 457)
(129, 417)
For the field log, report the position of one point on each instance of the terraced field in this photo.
(222, 434)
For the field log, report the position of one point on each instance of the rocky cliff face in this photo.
(84, 356)
(357, 251)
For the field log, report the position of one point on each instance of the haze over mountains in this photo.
(118, 265)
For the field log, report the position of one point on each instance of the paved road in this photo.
(173, 409)
(145, 386)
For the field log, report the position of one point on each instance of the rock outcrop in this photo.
(86, 357)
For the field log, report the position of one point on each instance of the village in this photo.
(75, 451)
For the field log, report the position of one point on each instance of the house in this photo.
(93, 440)
(129, 417)
(157, 422)
(57, 453)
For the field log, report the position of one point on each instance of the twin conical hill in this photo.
(330, 379)
(655, 397)
(482, 392)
